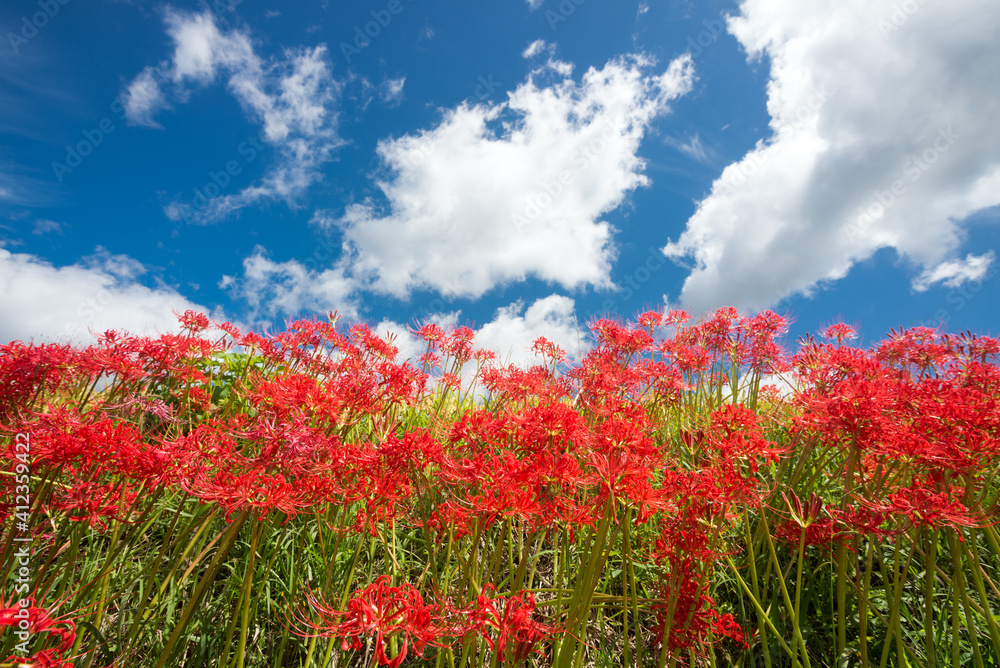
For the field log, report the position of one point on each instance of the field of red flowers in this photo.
(686, 494)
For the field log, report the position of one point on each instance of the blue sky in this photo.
(522, 167)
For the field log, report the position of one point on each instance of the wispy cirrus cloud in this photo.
(292, 97)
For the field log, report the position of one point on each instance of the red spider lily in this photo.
(193, 322)
(254, 488)
(726, 626)
(457, 345)
(34, 620)
(921, 505)
(30, 372)
(92, 503)
(736, 434)
(676, 318)
(861, 520)
(839, 332)
(689, 358)
(519, 384)
(686, 619)
(821, 532)
(548, 350)
(382, 611)
(518, 632)
(430, 333)
(619, 339)
(552, 426)
(94, 443)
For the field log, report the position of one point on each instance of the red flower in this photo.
(382, 611)
(39, 620)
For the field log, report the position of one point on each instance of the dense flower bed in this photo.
(688, 493)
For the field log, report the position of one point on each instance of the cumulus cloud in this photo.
(513, 329)
(882, 136)
(270, 288)
(44, 303)
(510, 334)
(291, 97)
(496, 193)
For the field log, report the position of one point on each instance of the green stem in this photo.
(959, 578)
(784, 593)
(247, 586)
(760, 610)
(977, 578)
(929, 582)
(755, 595)
(203, 584)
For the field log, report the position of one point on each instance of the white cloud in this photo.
(392, 89)
(955, 272)
(534, 4)
(291, 97)
(44, 226)
(42, 302)
(199, 47)
(509, 335)
(883, 136)
(536, 48)
(692, 147)
(143, 99)
(290, 288)
(410, 347)
(324, 219)
(496, 193)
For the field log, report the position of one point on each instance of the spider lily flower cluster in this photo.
(688, 493)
